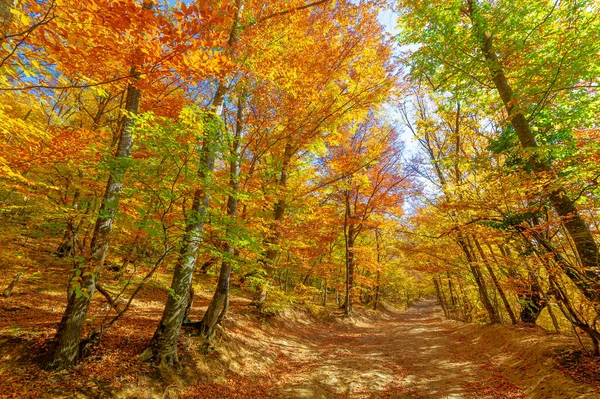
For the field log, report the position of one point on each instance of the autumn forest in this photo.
(299, 199)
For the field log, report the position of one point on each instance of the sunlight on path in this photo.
(416, 354)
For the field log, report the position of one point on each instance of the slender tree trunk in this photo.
(217, 307)
(349, 241)
(531, 297)
(378, 278)
(223, 313)
(467, 307)
(440, 296)
(377, 289)
(68, 246)
(287, 280)
(269, 259)
(163, 346)
(548, 304)
(587, 249)
(572, 315)
(217, 304)
(451, 289)
(490, 270)
(483, 294)
(479, 280)
(279, 207)
(66, 346)
(190, 303)
(533, 302)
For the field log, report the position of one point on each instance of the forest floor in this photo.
(416, 353)
(305, 351)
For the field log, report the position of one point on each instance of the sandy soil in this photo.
(418, 354)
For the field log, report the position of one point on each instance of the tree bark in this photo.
(451, 289)
(466, 304)
(509, 310)
(377, 289)
(68, 244)
(440, 296)
(572, 315)
(349, 241)
(8, 291)
(533, 302)
(274, 236)
(163, 346)
(479, 280)
(548, 303)
(190, 303)
(378, 278)
(66, 346)
(217, 307)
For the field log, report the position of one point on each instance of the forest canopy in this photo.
(299, 152)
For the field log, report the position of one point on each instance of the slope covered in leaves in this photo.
(305, 352)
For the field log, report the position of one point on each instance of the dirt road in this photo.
(412, 354)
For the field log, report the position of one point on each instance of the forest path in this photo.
(413, 354)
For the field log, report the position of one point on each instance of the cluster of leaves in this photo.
(487, 227)
(318, 184)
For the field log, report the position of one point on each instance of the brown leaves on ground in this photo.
(582, 366)
(410, 354)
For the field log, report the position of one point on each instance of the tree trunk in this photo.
(349, 240)
(8, 291)
(217, 304)
(532, 298)
(440, 296)
(190, 303)
(572, 315)
(68, 244)
(533, 302)
(274, 236)
(509, 310)
(260, 295)
(587, 249)
(163, 346)
(466, 307)
(65, 350)
(451, 289)
(548, 304)
(217, 307)
(479, 280)
(377, 288)
(378, 279)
